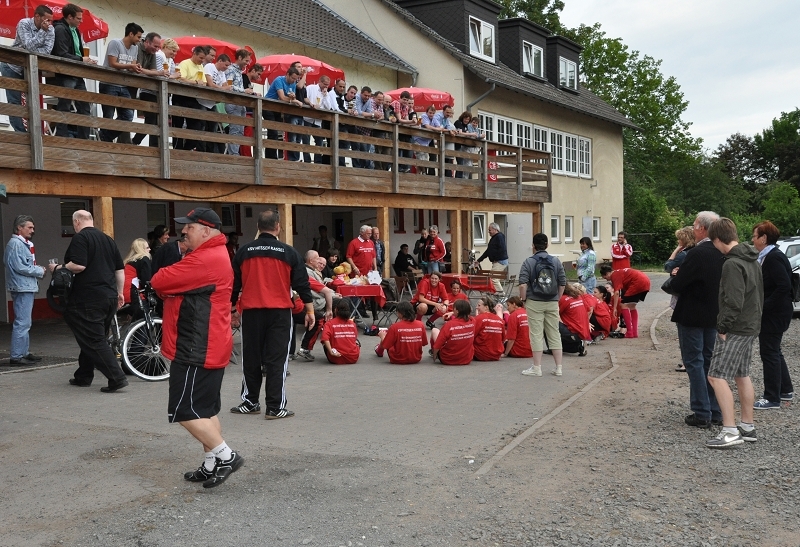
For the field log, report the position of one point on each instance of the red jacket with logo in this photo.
(197, 311)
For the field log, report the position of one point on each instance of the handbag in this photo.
(667, 286)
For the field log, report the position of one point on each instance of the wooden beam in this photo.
(104, 214)
(258, 145)
(384, 224)
(456, 242)
(335, 151)
(466, 229)
(287, 230)
(395, 158)
(442, 160)
(163, 117)
(536, 220)
(35, 116)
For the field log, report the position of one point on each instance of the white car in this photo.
(791, 248)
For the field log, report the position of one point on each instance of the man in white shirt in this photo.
(215, 79)
(121, 55)
(320, 98)
(234, 74)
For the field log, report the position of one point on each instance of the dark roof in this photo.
(307, 22)
(583, 101)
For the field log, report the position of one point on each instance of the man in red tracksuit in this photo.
(266, 271)
(197, 339)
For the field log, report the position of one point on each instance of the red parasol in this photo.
(277, 65)
(13, 11)
(424, 97)
(188, 43)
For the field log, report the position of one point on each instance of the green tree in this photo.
(782, 207)
(649, 216)
(542, 12)
(778, 149)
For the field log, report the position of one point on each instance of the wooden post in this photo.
(536, 219)
(466, 229)
(519, 174)
(335, 151)
(395, 161)
(485, 166)
(35, 115)
(258, 146)
(285, 213)
(456, 242)
(384, 224)
(104, 214)
(163, 121)
(441, 163)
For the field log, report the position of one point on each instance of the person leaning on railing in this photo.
(281, 89)
(148, 58)
(35, 35)
(69, 45)
(215, 79)
(234, 76)
(319, 97)
(191, 70)
(121, 55)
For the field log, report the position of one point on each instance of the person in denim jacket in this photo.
(22, 275)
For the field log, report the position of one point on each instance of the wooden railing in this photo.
(497, 171)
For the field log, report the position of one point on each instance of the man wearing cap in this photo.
(266, 271)
(197, 339)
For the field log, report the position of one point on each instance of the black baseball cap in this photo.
(201, 215)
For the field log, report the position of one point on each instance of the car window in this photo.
(792, 250)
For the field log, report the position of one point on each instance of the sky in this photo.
(737, 62)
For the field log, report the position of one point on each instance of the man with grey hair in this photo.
(323, 307)
(696, 282)
(497, 253)
(361, 252)
(96, 295)
(22, 275)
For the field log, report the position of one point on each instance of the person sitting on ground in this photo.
(340, 336)
(518, 341)
(490, 330)
(574, 324)
(323, 309)
(600, 321)
(630, 286)
(453, 344)
(138, 268)
(405, 339)
(456, 293)
(431, 296)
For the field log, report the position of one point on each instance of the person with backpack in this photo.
(541, 284)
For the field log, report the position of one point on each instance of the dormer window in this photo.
(568, 73)
(481, 39)
(532, 59)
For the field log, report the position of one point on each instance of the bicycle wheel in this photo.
(141, 351)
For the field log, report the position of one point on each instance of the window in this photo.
(596, 229)
(614, 228)
(540, 139)
(555, 223)
(505, 131)
(585, 157)
(433, 217)
(557, 151)
(568, 237)
(479, 228)
(571, 154)
(487, 125)
(532, 57)
(399, 220)
(157, 213)
(419, 220)
(69, 206)
(228, 217)
(481, 39)
(568, 73)
(524, 135)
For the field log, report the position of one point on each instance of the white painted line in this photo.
(43, 367)
(528, 432)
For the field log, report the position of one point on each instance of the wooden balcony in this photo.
(520, 182)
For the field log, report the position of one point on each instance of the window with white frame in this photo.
(540, 138)
(568, 73)
(487, 125)
(568, 222)
(481, 39)
(614, 227)
(585, 157)
(524, 131)
(557, 151)
(595, 228)
(555, 224)
(532, 59)
(571, 154)
(479, 228)
(505, 131)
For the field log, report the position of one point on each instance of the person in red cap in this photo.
(197, 339)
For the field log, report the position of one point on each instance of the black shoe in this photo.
(429, 324)
(74, 382)
(16, 362)
(223, 470)
(112, 388)
(694, 421)
(278, 414)
(201, 474)
(716, 421)
(246, 407)
(583, 352)
(547, 352)
(33, 358)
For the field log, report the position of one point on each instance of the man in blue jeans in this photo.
(697, 286)
(121, 55)
(22, 275)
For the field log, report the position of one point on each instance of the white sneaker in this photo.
(533, 371)
(556, 372)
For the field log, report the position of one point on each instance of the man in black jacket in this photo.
(697, 286)
(497, 253)
(776, 316)
(69, 44)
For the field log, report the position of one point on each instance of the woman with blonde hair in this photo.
(685, 237)
(138, 267)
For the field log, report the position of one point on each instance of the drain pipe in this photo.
(482, 97)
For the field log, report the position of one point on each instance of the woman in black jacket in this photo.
(775, 319)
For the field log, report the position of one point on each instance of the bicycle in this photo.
(141, 344)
